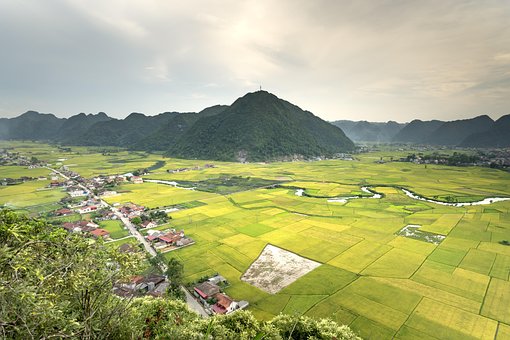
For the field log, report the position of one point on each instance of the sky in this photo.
(359, 60)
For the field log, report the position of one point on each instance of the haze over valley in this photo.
(255, 169)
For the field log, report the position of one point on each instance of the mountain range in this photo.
(256, 127)
(480, 131)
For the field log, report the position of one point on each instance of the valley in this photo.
(389, 266)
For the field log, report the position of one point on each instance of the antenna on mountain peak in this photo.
(260, 87)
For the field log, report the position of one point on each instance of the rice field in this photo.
(384, 285)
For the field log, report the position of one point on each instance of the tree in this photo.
(55, 284)
(175, 274)
(136, 220)
(59, 285)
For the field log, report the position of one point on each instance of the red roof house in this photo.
(97, 233)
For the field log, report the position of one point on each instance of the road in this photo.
(194, 305)
(132, 229)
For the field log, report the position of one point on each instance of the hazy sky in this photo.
(374, 60)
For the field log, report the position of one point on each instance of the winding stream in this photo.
(301, 192)
(489, 200)
(172, 183)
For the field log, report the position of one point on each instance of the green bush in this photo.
(59, 285)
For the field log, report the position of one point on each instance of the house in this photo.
(206, 290)
(155, 285)
(87, 209)
(63, 212)
(100, 233)
(108, 193)
(131, 210)
(128, 248)
(184, 242)
(88, 224)
(168, 238)
(55, 184)
(77, 192)
(217, 279)
(148, 224)
(224, 304)
(137, 180)
(70, 227)
(160, 289)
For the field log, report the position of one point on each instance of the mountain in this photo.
(417, 131)
(165, 136)
(260, 126)
(363, 131)
(498, 135)
(31, 125)
(123, 132)
(454, 132)
(75, 125)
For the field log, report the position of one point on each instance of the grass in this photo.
(22, 171)
(497, 301)
(228, 184)
(31, 196)
(117, 243)
(115, 228)
(381, 284)
(154, 195)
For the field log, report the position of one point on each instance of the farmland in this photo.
(371, 277)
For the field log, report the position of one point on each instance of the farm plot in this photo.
(31, 196)
(276, 268)
(497, 301)
(382, 284)
(154, 195)
(115, 228)
(22, 171)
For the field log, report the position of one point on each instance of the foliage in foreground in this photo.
(59, 285)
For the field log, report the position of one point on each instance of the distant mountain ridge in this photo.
(256, 127)
(498, 135)
(417, 131)
(363, 131)
(480, 131)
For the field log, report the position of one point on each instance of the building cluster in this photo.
(212, 297)
(195, 168)
(169, 239)
(15, 158)
(131, 210)
(153, 284)
(88, 228)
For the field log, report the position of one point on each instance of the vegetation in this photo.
(496, 136)
(57, 285)
(364, 131)
(228, 184)
(115, 228)
(455, 159)
(277, 128)
(382, 285)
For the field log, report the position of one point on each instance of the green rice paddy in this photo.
(380, 283)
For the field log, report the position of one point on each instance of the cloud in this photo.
(339, 59)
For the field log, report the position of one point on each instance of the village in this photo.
(83, 211)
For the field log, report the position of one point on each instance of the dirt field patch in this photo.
(276, 268)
